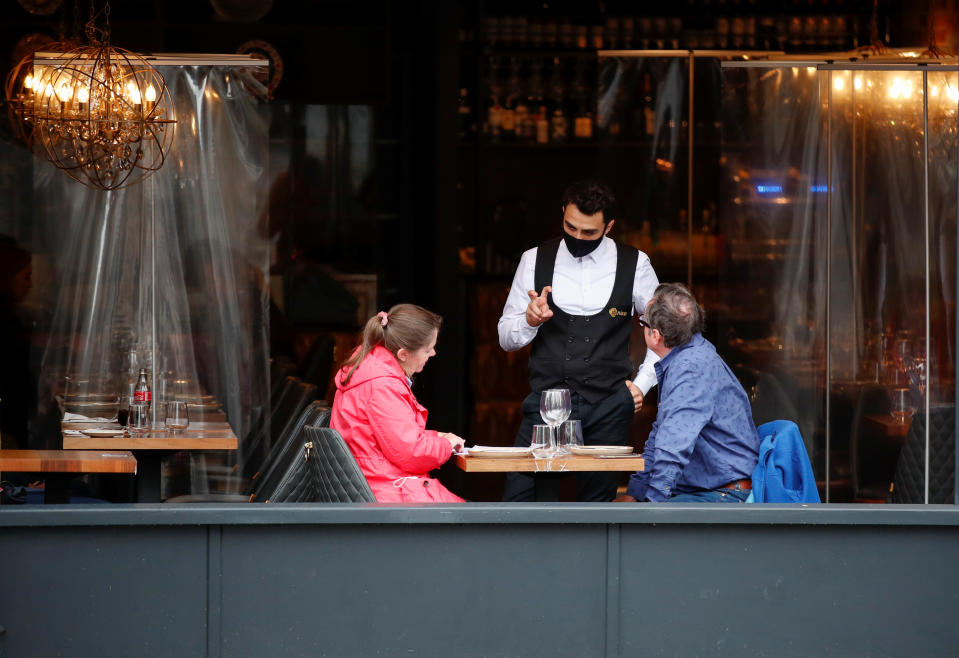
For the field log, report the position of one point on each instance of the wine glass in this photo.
(917, 373)
(555, 406)
(176, 418)
(902, 404)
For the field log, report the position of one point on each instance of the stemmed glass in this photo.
(917, 373)
(555, 406)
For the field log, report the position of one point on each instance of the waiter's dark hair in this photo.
(675, 314)
(406, 326)
(591, 196)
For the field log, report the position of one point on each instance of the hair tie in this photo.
(384, 318)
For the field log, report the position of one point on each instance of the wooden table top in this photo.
(566, 463)
(67, 461)
(889, 426)
(198, 436)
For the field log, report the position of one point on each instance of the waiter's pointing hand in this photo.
(538, 310)
(637, 396)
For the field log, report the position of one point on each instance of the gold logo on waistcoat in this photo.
(613, 312)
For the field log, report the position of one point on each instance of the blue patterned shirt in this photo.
(704, 436)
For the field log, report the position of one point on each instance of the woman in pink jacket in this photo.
(378, 415)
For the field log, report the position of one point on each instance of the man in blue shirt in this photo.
(703, 446)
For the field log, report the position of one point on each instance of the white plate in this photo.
(601, 450)
(103, 432)
(497, 451)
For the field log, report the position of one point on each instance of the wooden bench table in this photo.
(548, 488)
(150, 448)
(60, 466)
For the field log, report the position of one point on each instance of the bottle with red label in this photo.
(141, 394)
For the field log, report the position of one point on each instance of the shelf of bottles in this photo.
(532, 79)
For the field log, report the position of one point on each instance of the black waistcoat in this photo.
(586, 353)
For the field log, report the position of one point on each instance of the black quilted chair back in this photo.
(336, 475)
(909, 484)
(293, 478)
(265, 479)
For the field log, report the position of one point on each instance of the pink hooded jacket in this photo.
(385, 428)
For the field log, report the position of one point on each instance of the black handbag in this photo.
(12, 494)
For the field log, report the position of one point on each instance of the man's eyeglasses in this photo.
(642, 321)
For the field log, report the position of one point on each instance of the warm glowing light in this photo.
(28, 81)
(952, 93)
(857, 83)
(838, 84)
(151, 94)
(64, 93)
(933, 90)
(810, 70)
(83, 94)
(133, 93)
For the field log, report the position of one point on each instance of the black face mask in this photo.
(579, 248)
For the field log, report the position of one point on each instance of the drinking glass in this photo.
(176, 417)
(138, 422)
(543, 441)
(555, 406)
(570, 436)
(917, 373)
(902, 404)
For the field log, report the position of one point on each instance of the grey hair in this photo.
(675, 314)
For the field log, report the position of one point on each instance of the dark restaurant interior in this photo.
(374, 165)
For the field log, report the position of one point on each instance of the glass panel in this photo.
(772, 217)
(168, 275)
(642, 111)
(892, 289)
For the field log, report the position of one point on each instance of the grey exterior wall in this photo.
(479, 580)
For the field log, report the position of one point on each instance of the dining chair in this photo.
(337, 477)
(277, 480)
(909, 481)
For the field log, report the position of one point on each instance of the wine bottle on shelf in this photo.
(493, 125)
(644, 117)
(509, 128)
(582, 105)
(538, 118)
(558, 115)
(464, 115)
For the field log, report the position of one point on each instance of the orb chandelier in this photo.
(101, 114)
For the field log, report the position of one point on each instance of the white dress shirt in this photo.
(581, 286)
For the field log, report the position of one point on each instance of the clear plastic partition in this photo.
(642, 113)
(169, 275)
(893, 302)
(773, 199)
(840, 187)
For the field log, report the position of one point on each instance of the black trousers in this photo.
(606, 422)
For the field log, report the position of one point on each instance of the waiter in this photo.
(573, 297)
